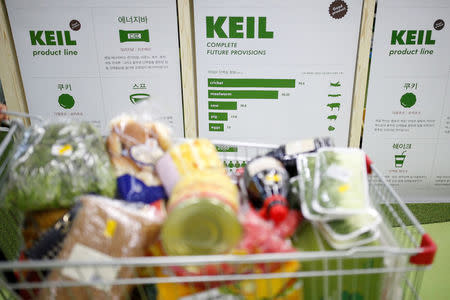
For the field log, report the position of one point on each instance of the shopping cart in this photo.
(392, 269)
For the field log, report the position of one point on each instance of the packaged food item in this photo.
(360, 240)
(261, 236)
(55, 163)
(340, 183)
(308, 238)
(306, 165)
(352, 226)
(37, 222)
(276, 288)
(267, 185)
(102, 230)
(287, 227)
(293, 196)
(11, 239)
(288, 153)
(341, 231)
(202, 215)
(50, 242)
(134, 147)
(185, 158)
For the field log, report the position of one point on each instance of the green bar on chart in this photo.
(215, 127)
(222, 105)
(218, 116)
(242, 94)
(251, 82)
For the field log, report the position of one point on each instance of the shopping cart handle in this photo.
(368, 165)
(427, 255)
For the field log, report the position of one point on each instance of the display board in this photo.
(272, 71)
(407, 126)
(90, 60)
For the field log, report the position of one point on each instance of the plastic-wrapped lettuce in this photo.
(353, 226)
(306, 165)
(340, 183)
(55, 163)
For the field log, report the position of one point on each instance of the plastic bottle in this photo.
(289, 152)
(267, 184)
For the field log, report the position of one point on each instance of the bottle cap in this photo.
(276, 208)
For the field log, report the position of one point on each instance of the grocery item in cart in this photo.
(267, 184)
(104, 229)
(274, 288)
(341, 244)
(293, 195)
(55, 163)
(340, 183)
(38, 222)
(261, 236)
(364, 285)
(50, 242)
(134, 147)
(202, 215)
(353, 226)
(289, 152)
(185, 158)
(306, 165)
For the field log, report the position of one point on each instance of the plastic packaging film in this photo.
(134, 146)
(102, 230)
(57, 162)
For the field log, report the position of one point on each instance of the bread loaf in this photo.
(104, 229)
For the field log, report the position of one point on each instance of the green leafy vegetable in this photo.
(343, 182)
(56, 163)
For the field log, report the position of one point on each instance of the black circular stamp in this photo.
(75, 25)
(338, 9)
(439, 24)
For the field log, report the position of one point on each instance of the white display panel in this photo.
(91, 60)
(272, 71)
(407, 126)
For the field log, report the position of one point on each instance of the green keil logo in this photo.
(51, 38)
(412, 37)
(238, 28)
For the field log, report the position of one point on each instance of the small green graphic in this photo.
(243, 164)
(66, 101)
(331, 128)
(334, 95)
(334, 105)
(135, 98)
(230, 164)
(226, 148)
(237, 164)
(400, 159)
(335, 84)
(134, 36)
(408, 100)
(332, 117)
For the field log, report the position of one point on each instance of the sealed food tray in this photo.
(390, 269)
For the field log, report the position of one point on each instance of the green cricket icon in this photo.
(134, 36)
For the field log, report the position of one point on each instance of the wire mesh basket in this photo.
(392, 269)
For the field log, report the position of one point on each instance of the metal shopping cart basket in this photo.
(392, 269)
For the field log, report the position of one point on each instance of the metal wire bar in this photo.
(205, 278)
(22, 115)
(397, 199)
